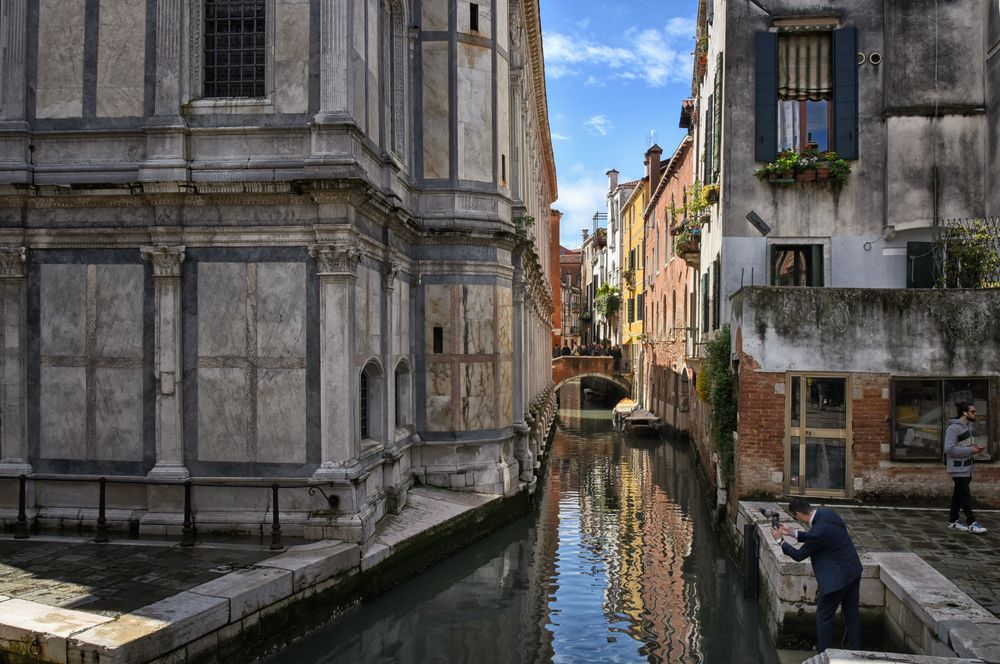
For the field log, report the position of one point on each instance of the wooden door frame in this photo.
(848, 490)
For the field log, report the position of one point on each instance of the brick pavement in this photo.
(115, 577)
(972, 562)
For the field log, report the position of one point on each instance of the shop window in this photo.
(922, 409)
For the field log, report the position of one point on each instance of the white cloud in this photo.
(578, 200)
(657, 56)
(559, 137)
(598, 125)
(594, 82)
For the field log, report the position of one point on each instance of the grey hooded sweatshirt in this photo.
(958, 450)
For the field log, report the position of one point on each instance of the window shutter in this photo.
(704, 302)
(717, 125)
(716, 293)
(709, 126)
(816, 266)
(766, 91)
(845, 93)
(920, 265)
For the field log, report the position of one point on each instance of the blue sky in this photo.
(614, 72)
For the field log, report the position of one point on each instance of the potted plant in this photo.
(712, 193)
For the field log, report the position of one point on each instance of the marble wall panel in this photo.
(505, 320)
(437, 136)
(401, 319)
(506, 385)
(63, 405)
(478, 402)
(439, 397)
(121, 65)
(119, 414)
(374, 61)
(222, 309)
(59, 88)
(437, 313)
(475, 113)
(503, 123)
(291, 56)
(503, 26)
(357, 68)
(368, 312)
(119, 311)
(477, 319)
(281, 309)
(222, 422)
(64, 309)
(435, 16)
(281, 415)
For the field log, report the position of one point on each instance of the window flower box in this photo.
(804, 167)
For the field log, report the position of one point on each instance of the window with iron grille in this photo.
(364, 405)
(234, 50)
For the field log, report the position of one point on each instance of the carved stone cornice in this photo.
(533, 27)
(336, 260)
(13, 261)
(166, 260)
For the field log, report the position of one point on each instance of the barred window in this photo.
(234, 48)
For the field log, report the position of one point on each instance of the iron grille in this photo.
(234, 48)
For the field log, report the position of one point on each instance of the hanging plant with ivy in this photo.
(522, 224)
(971, 256)
(716, 386)
(607, 300)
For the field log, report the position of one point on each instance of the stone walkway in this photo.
(112, 578)
(972, 562)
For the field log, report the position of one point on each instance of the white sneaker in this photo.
(976, 528)
(958, 525)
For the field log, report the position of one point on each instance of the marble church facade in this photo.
(288, 241)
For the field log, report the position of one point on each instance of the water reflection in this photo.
(620, 564)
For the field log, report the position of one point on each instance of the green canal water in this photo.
(619, 563)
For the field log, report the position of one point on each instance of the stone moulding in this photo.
(166, 260)
(13, 261)
(335, 259)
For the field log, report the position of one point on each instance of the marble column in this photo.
(334, 72)
(13, 318)
(165, 130)
(336, 265)
(389, 278)
(169, 426)
(15, 167)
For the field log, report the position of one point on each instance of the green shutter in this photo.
(920, 265)
(709, 143)
(816, 266)
(766, 97)
(717, 121)
(845, 93)
(704, 302)
(716, 293)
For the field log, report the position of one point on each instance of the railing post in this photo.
(187, 531)
(21, 529)
(275, 523)
(102, 521)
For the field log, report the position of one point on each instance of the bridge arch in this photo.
(623, 384)
(569, 367)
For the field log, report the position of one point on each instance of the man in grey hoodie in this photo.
(958, 453)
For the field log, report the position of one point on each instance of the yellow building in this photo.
(633, 277)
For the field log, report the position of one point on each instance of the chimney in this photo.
(612, 180)
(586, 234)
(652, 170)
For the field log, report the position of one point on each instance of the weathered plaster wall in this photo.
(902, 332)
(993, 104)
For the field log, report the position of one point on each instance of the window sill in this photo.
(230, 106)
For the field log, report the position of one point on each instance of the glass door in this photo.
(818, 435)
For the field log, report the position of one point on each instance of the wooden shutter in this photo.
(709, 127)
(717, 124)
(845, 93)
(716, 293)
(704, 302)
(816, 271)
(766, 96)
(920, 265)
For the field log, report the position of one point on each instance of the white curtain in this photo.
(789, 126)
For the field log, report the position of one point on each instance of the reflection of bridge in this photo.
(569, 367)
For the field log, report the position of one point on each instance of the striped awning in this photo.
(804, 66)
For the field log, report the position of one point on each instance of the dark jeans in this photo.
(961, 499)
(826, 608)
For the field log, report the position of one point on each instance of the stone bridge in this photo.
(569, 367)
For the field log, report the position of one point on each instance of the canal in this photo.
(619, 564)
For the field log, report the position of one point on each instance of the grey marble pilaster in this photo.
(334, 76)
(390, 277)
(13, 49)
(166, 263)
(336, 267)
(13, 435)
(165, 130)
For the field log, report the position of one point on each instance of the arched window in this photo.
(370, 403)
(403, 414)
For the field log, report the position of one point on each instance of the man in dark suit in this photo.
(835, 563)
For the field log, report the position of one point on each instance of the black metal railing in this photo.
(188, 528)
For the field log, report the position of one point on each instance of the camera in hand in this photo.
(773, 516)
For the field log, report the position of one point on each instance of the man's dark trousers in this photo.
(826, 608)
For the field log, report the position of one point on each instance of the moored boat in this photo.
(641, 422)
(621, 410)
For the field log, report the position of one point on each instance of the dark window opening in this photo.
(364, 405)
(473, 17)
(438, 339)
(234, 48)
(503, 169)
(797, 265)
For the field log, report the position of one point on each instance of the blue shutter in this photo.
(766, 95)
(845, 93)
(709, 141)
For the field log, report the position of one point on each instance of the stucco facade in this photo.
(339, 274)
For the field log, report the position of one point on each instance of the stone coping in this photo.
(197, 618)
(833, 656)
